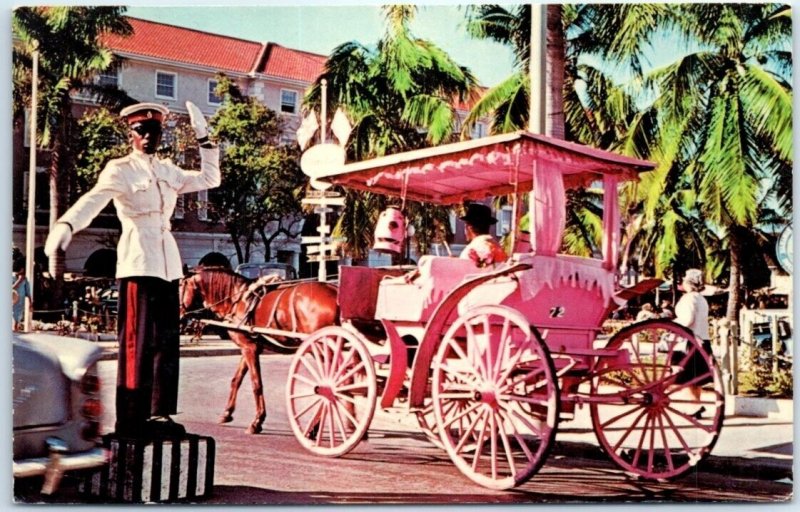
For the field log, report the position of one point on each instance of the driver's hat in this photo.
(143, 112)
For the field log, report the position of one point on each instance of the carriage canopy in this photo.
(513, 163)
(476, 169)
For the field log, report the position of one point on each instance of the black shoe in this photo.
(164, 426)
(699, 413)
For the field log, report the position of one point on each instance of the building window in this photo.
(288, 101)
(109, 77)
(165, 85)
(180, 207)
(478, 130)
(213, 99)
(202, 205)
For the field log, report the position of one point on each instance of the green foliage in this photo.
(261, 180)
(760, 380)
(399, 95)
(100, 137)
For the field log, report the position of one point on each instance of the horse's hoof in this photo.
(225, 418)
(254, 429)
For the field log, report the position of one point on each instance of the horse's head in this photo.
(188, 293)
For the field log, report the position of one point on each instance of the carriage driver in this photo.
(482, 248)
(144, 190)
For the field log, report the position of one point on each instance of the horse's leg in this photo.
(252, 354)
(236, 382)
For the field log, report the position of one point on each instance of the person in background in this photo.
(646, 313)
(21, 294)
(483, 248)
(666, 310)
(144, 190)
(691, 311)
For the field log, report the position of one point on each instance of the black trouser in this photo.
(149, 350)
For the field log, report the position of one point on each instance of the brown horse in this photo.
(300, 307)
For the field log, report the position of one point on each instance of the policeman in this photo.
(144, 190)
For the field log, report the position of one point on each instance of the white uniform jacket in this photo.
(144, 190)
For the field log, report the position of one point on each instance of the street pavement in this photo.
(757, 447)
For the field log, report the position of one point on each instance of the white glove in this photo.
(197, 120)
(59, 237)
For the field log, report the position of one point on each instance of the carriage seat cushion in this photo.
(415, 301)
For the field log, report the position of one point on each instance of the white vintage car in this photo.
(57, 409)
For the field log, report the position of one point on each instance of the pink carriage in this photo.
(490, 360)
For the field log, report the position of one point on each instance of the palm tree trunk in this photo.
(734, 293)
(554, 121)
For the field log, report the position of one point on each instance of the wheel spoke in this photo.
(307, 408)
(503, 347)
(353, 386)
(459, 415)
(508, 450)
(312, 371)
(474, 351)
(314, 419)
(667, 453)
(304, 379)
(493, 445)
(321, 423)
(630, 429)
(520, 440)
(331, 426)
(677, 433)
(339, 422)
(479, 443)
(465, 433)
(355, 369)
(523, 419)
(638, 452)
(344, 398)
(344, 365)
(461, 355)
(691, 419)
(295, 396)
(318, 360)
(635, 408)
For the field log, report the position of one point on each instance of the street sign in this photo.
(324, 201)
(316, 194)
(314, 249)
(320, 239)
(324, 229)
(322, 209)
(327, 257)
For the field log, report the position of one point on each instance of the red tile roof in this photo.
(288, 63)
(189, 46)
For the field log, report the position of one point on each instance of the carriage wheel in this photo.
(426, 419)
(332, 391)
(495, 397)
(644, 412)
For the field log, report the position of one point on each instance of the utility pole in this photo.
(30, 235)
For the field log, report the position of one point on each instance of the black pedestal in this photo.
(154, 470)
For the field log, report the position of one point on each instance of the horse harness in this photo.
(258, 290)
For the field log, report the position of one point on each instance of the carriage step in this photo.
(179, 469)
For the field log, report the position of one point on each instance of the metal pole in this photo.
(322, 273)
(30, 234)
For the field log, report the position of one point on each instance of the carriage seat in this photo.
(415, 301)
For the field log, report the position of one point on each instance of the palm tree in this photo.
(399, 95)
(724, 117)
(70, 56)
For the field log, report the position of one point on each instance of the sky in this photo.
(319, 29)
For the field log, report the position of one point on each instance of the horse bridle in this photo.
(182, 289)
